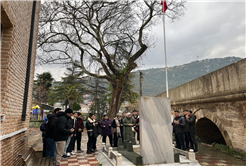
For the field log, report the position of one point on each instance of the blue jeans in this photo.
(51, 148)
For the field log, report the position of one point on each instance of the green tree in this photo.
(44, 82)
(70, 89)
(76, 106)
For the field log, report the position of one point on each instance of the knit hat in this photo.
(69, 110)
(128, 114)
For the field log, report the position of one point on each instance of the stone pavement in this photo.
(84, 159)
(81, 159)
(35, 139)
(208, 157)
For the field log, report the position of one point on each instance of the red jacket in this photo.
(80, 124)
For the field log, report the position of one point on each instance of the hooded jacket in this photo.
(50, 126)
(190, 124)
(61, 127)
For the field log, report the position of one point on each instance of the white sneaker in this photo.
(73, 153)
(68, 154)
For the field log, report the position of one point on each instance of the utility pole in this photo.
(141, 80)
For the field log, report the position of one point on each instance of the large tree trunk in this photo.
(116, 96)
(43, 94)
(70, 103)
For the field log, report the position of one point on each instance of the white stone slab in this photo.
(156, 130)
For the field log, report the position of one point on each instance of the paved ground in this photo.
(35, 139)
(206, 156)
(83, 158)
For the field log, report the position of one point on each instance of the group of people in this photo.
(124, 127)
(61, 130)
(184, 130)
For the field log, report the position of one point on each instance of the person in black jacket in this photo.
(80, 128)
(49, 134)
(179, 129)
(70, 148)
(43, 128)
(122, 126)
(62, 132)
(66, 154)
(191, 130)
(116, 125)
(90, 126)
(187, 142)
(96, 132)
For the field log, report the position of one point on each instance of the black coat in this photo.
(61, 127)
(50, 126)
(179, 128)
(190, 124)
(72, 124)
(43, 128)
(121, 127)
(97, 130)
(114, 124)
(89, 125)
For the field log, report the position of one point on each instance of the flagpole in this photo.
(165, 52)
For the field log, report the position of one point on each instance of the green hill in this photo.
(154, 81)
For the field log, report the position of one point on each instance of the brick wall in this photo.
(16, 21)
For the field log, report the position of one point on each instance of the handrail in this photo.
(112, 155)
(189, 155)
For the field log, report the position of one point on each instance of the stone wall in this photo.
(225, 81)
(16, 22)
(219, 96)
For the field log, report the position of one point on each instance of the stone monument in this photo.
(156, 130)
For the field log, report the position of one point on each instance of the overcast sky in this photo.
(208, 30)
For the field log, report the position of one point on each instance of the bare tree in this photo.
(110, 35)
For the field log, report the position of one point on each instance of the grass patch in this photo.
(228, 150)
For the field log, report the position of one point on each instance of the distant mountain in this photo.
(154, 81)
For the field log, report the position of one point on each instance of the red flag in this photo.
(164, 7)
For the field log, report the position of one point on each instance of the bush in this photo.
(76, 106)
(228, 150)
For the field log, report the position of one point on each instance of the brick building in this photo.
(16, 21)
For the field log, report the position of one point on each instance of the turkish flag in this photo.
(164, 7)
